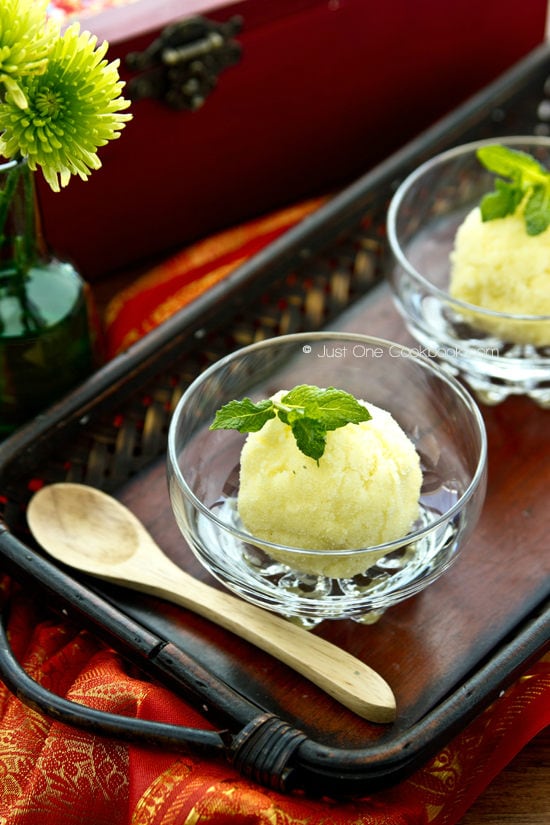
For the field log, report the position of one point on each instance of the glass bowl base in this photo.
(309, 598)
(493, 369)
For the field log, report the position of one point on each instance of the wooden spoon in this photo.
(93, 532)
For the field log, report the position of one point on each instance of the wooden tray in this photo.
(447, 652)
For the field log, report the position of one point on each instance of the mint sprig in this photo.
(521, 177)
(309, 411)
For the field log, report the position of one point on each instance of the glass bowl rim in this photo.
(398, 196)
(465, 397)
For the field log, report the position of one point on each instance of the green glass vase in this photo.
(47, 340)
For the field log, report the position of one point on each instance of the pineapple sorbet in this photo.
(364, 491)
(497, 266)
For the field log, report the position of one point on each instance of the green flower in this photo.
(25, 41)
(74, 106)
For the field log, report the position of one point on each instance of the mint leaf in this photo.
(334, 408)
(537, 211)
(308, 410)
(243, 416)
(311, 437)
(302, 395)
(511, 163)
(503, 201)
(526, 179)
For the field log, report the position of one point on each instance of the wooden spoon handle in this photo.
(93, 532)
(344, 677)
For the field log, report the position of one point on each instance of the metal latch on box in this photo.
(181, 66)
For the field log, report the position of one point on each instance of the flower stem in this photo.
(18, 240)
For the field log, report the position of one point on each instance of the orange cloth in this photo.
(174, 283)
(51, 774)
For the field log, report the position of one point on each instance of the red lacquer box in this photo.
(274, 100)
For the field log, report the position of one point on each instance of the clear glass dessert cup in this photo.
(432, 408)
(498, 354)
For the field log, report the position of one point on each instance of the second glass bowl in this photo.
(499, 354)
(437, 414)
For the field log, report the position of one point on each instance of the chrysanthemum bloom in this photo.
(73, 107)
(26, 38)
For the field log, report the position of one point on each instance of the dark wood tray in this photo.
(447, 652)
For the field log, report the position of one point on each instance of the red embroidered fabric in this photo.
(51, 774)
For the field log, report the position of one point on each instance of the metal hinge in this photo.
(181, 66)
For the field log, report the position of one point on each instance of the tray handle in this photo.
(259, 744)
(33, 694)
(261, 751)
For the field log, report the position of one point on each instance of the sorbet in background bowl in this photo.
(379, 516)
(474, 293)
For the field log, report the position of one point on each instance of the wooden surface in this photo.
(520, 794)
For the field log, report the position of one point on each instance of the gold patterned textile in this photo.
(52, 774)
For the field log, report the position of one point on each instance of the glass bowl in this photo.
(498, 354)
(433, 409)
